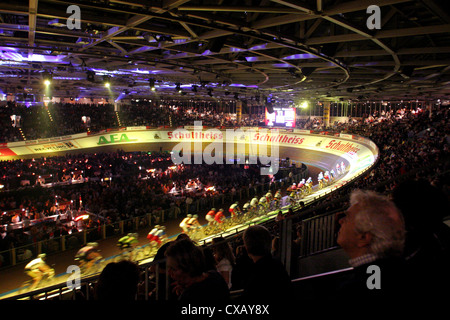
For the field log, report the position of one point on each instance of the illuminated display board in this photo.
(281, 117)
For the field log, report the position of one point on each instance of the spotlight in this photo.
(47, 78)
(304, 105)
(106, 81)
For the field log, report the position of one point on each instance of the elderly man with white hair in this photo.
(372, 233)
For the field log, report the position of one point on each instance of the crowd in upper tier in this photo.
(59, 119)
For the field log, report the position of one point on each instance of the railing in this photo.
(318, 233)
(86, 286)
(150, 273)
(61, 291)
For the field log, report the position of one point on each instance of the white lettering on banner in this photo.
(283, 138)
(139, 128)
(302, 131)
(347, 136)
(213, 153)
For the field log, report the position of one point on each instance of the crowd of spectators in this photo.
(411, 143)
(56, 119)
(116, 186)
(59, 119)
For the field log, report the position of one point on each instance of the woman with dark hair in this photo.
(186, 265)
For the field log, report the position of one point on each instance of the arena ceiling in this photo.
(245, 49)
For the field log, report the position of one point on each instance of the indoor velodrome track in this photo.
(319, 151)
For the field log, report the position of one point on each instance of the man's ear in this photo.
(364, 239)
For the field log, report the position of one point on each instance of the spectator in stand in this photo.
(372, 232)
(427, 250)
(186, 265)
(162, 270)
(242, 268)
(224, 258)
(268, 280)
(118, 282)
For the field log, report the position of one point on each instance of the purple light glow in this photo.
(251, 59)
(300, 56)
(260, 47)
(282, 65)
(17, 57)
(242, 85)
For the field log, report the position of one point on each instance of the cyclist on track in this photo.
(263, 204)
(277, 198)
(234, 210)
(88, 256)
(160, 235)
(128, 241)
(37, 269)
(246, 207)
(254, 204)
(219, 217)
(210, 216)
(193, 223)
(184, 223)
(152, 232)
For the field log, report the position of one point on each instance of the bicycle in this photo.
(129, 253)
(320, 186)
(213, 228)
(195, 233)
(94, 268)
(30, 285)
(262, 210)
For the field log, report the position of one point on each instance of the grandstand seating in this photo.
(418, 140)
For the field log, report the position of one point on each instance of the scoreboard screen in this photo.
(281, 117)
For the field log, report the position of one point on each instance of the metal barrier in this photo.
(150, 271)
(318, 233)
(150, 276)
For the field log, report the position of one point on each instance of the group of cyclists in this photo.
(90, 258)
